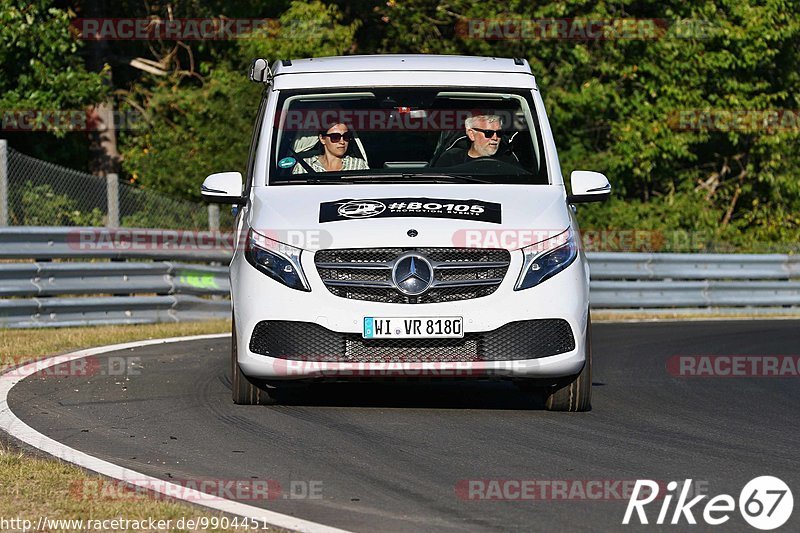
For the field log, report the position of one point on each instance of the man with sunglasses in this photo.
(485, 135)
(335, 142)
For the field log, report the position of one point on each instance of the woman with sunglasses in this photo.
(335, 144)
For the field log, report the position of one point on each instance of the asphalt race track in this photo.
(398, 456)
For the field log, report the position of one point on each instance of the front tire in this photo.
(575, 395)
(244, 390)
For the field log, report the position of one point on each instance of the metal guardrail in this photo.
(119, 284)
(664, 281)
(648, 266)
(27, 242)
(65, 312)
(54, 279)
(120, 276)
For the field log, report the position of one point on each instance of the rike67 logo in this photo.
(765, 503)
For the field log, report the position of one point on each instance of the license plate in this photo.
(441, 327)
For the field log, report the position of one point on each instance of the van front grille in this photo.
(458, 273)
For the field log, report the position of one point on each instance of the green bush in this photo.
(42, 206)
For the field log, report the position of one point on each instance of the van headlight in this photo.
(279, 261)
(546, 259)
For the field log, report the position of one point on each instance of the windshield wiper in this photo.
(306, 181)
(452, 177)
(423, 178)
(391, 178)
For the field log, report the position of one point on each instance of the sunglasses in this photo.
(336, 137)
(489, 133)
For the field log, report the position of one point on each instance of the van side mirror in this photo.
(223, 188)
(260, 71)
(588, 186)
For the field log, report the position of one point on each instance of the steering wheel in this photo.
(482, 163)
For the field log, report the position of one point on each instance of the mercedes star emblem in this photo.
(412, 274)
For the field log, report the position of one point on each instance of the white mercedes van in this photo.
(406, 217)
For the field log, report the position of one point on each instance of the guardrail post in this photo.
(3, 182)
(213, 217)
(112, 199)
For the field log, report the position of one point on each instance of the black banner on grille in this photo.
(410, 207)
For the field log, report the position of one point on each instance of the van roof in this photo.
(397, 62)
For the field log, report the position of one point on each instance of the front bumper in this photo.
(287, 334)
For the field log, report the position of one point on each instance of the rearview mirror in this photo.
(588, 186)
(223, 188)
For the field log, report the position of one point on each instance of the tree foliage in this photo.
(43, 79)
(196, 129)
(40, 68)
(656, 111)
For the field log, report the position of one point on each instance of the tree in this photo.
(647, 102)
(44, 84)
(198, 126)
(39, 63)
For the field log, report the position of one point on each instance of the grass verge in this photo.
(34, 487)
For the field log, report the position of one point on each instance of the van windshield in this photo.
(409, 134)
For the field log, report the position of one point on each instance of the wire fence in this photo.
(38, 193)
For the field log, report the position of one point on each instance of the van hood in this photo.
(316, 217)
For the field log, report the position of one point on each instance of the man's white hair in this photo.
(470, 122)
